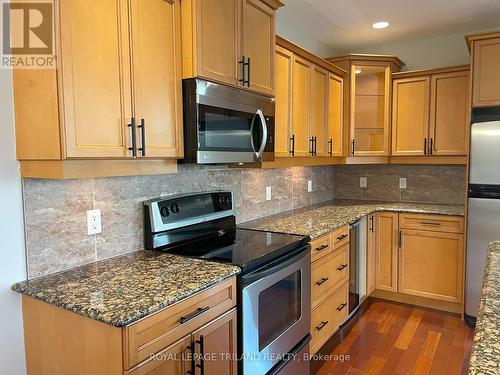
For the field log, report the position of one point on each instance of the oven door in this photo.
(231, 135)
(276, 312)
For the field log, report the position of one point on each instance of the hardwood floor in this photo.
(392, 338)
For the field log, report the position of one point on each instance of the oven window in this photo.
(279, 308)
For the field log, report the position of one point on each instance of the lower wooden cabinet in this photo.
(386, 251)
(370, 255)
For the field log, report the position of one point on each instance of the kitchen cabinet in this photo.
(485, 52)
(335, 127)
(301, 104)
(386, 251)
(231, 42)
(371, 257)
(369, 101)
(430, 112)
(283, 102)
(118, 97)
(319, 113)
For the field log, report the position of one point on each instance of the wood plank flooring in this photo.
(397, 339)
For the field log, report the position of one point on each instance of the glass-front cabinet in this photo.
(370, 101)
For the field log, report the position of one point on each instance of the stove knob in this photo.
(221, 200)
(228, 201)
(175, 208)
(164, 211)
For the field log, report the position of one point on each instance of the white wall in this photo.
(12, 257)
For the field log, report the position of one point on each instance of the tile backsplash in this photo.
(55, 210)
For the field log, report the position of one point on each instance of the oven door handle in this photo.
(263, 123)
(275, 267)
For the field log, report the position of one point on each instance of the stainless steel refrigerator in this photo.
(484, 201)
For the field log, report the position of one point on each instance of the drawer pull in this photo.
(341, 307)
(430, 223)
(340, 238)
(322, 325)
(323, 279)
(322, 247)
(341, 267)
(198, 311)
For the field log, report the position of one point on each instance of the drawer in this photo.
(327, 317)
(157, 332)
(329, 272)
(320, 247)
(340, 237)
(433, 223)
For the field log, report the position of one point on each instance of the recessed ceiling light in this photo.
(357, 70)
(380, 25)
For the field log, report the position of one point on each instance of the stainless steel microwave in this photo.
(224, 124)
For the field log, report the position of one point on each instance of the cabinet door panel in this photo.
(410, 115)
(157, 75)
(335, 115)
(319, 112)
(219, 341)
(95, 77)
(283, 101)
(218, 38)
(258, 44)
(431, 265)
(301, 104)
(449, 113)
(486, 80)
(371, 249)
(386, 232)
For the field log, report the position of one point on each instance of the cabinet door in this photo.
(95, 78)
(174, 360)
(319, 109)
(258, 44)
(157, 84)
(283, 101)
(486, 75)
(449, 120)
(217, 341)
(410, 116)
(386, 258)
(430, 265)
(371, 248)
(301, 104)
(335, 133)
(218, 40)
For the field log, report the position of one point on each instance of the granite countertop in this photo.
(485, 356)
(124, 289)
(318, 220)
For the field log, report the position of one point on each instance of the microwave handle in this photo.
(264, 133)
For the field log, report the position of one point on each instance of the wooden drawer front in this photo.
(157, 332)
(340, 237)
(434, 223)
(329, 272)
(327, 316)
(320, 247)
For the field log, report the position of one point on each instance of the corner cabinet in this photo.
(230, 41)
(430, 113)
(118, 97)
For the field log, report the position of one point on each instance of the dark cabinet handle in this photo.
(352, 147)
(341, 307)
(425, 146)
(322, 325)
(192, 370)
(341, 267)
(201, 365)
(292, 146)
(249, 70)
(323, 280)
(430, 223)
(430, 146)
(198, 311)
(322, 247)
(340, 238)
(134, 139)
(311, 146)
(142, 126)
(315, 146)
(242, 62)
(330, 147)
(372, 227)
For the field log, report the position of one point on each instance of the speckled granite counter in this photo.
(485, 357)
(323, 218)
(121, 290)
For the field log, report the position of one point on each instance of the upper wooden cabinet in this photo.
(117, 89)
(230, 41)
(309, 104)
(370, 97)
(430, 112)
(485, 51)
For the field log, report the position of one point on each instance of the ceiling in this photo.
(345, 25)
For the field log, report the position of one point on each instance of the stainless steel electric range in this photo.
(274, 298)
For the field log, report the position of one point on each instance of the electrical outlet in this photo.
(94, 222)
(309, 186)
(268, 193)
(363, 182)
(402, 183)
